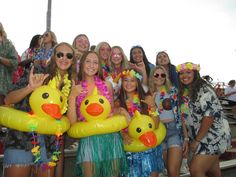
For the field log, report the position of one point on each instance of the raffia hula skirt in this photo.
(103, 154)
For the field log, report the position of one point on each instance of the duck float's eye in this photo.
(61, 99)
(150, 125)
(138, 130)
(101, 100)
(86, 102)
(45, 95)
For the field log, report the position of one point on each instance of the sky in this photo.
(200, 31)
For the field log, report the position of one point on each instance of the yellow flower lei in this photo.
(54, 83)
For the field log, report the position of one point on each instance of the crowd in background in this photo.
(177, 96)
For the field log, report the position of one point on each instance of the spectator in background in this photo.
(92, 48)
(230, 94)
(8, 63)
(28, 55)
(18, 72)
(44, 55)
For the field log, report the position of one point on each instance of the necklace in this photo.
(102, 88)
(133, 104)
(184, 109)
(36, 149)
(55, 82)
(162, 96)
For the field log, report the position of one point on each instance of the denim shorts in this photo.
(172, 138)
(20, 157)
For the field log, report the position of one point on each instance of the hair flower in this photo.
(187, 66)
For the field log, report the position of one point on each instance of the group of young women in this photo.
(176, 96)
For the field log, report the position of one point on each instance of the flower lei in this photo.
(54, 83)
(101, 86)
(184, 109)
(105, 69)
(162, 96)
(36, 148)
(187, 66)
(133, 105)
(174, 102)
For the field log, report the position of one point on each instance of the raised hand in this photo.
(36, 80)
(76, 90)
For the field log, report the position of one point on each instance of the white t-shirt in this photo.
(230, 90)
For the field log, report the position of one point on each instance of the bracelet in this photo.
(186, 139)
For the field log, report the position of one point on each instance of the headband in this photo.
(187, 66)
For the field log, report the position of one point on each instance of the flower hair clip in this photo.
(131, 73)
(187, 66)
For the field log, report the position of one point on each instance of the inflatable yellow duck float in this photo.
(96, 108)
(46, 118)
(143, 133)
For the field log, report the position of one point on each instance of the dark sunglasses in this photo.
(46, 34)
(61, 55)
(157, 75)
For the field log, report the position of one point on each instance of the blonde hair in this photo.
(97, 48)
(53, 36)
(78, 36)
(152, 85)
(3, 32)
(124, 62)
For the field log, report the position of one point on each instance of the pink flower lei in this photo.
(102, 88)
(133, 105)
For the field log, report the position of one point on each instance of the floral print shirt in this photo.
(7, 50)
(208, 105)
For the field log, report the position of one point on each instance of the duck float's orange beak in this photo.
(94, 109)
(148, 139)
(52, 110)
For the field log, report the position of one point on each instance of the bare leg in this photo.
(14, 171)
(88, 169)
(200, 165)
(154, 174)
(45, 173)
(214, 171)
(174, 159)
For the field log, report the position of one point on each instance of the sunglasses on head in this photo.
(61, 55)
(161, 75)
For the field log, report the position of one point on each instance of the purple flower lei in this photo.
(102, 88)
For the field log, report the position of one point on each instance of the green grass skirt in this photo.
(101, 155)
